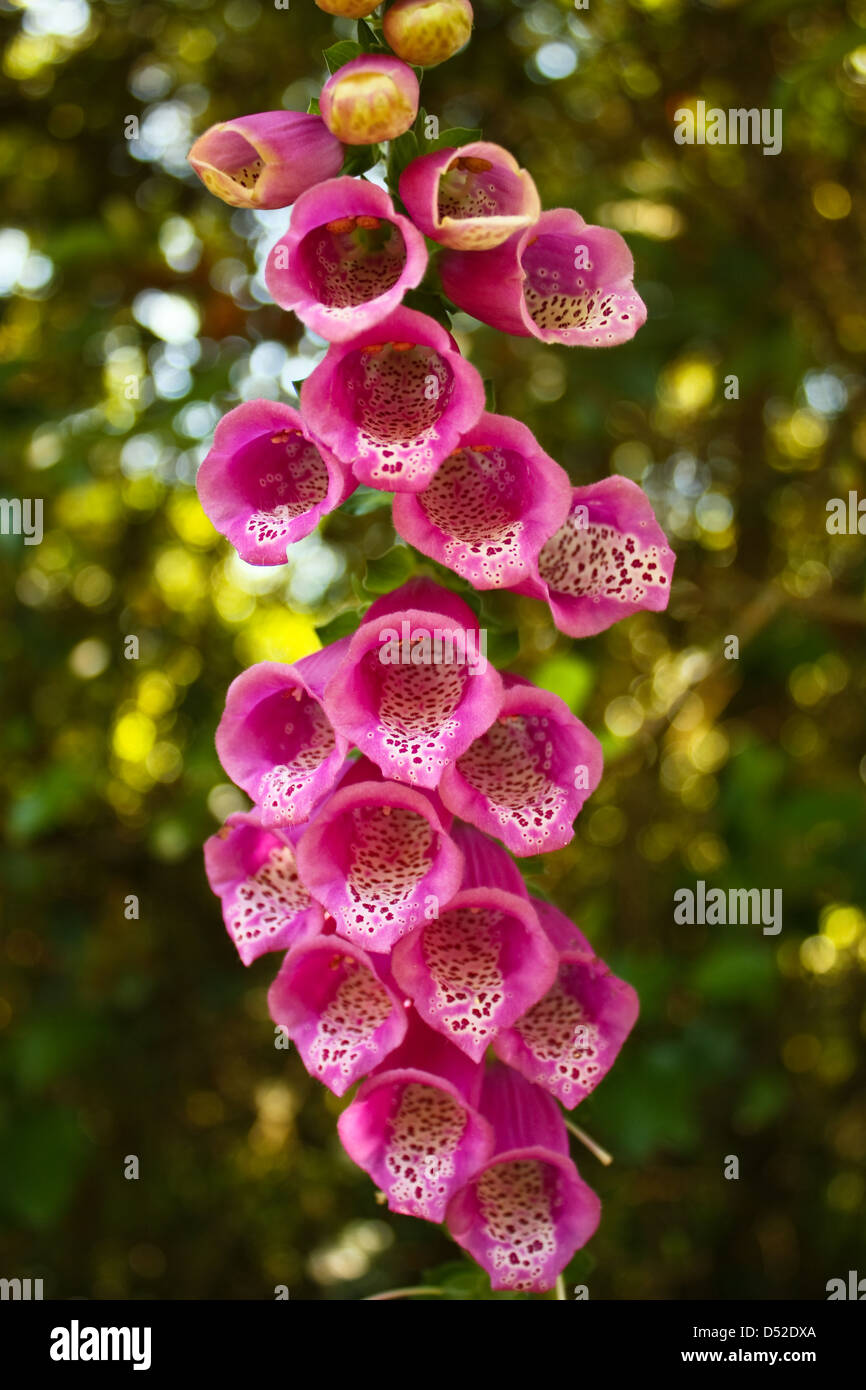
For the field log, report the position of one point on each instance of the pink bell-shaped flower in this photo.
(342, 1017)
(610, 559)
(266, 483)
(489, 507)
(570, 1039)
(254, 873)
(559, 280)
(265, 160)
(347, 259)
(393, 401)
(527, 1211)
(471, 198)
(527, 776)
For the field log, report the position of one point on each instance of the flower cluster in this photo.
(412, 945)
(395, 772)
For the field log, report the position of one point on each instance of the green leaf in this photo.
(389, 570)
(368, 38)
(400, 153)
(366, 499)
(313, 109)
(490, 395)
(360, 158)
(426, 302)
(341, 53)
(344, 623)
(454, 138)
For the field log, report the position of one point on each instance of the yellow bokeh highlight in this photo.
(189, 521)
(182, 577)
(842, 925)
(831, 200)
(817, 955)
(134, 736)
(95, 504)
(155, 694)
(276, 634)
(688, 386)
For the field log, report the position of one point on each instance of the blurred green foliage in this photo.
(133, 315)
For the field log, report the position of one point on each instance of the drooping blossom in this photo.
(472, 198)
(413, 1125)
(265, 160)
(346, 260)
(476, 967)
(254, 873)
(609, 560)
(490, 505)
(427, 32)
(266, 483)
(372, 98)
(276, 741)
(527, 1211)
(527, 776)
(414, 688)
(344, 1019)
(379, 859)
(559, 280)
(485, 863)
(570, 1039)
(394, 401)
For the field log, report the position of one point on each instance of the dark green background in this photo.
(147, 1036)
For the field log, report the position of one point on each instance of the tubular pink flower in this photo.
(394, 401)
(378, 857)
(472, 198)
(374, 97)
(266, 482)
(276, 741)
(570, 1039)
(477, 967)
(528, 1210)
(527, 776)
(485, 863)
(346, 260)
(489, 507)
(560, 280)
(609, 560)
(427, 32)
(253, 872)
(413, 1125)
(265, 160)
(414, 688)
(341, 1016)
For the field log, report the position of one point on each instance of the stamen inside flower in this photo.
(352, 260)
(471, 187)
